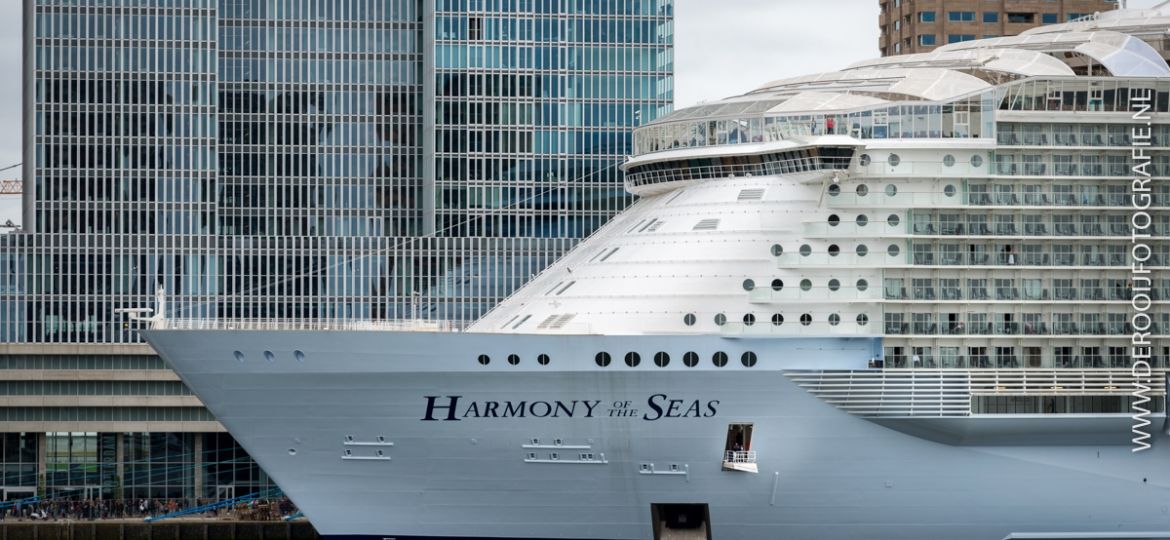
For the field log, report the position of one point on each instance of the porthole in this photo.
(949, 190)
(805, 319)
(834, 220)
(749, 319)
(862, 319)
(633, 359)
(292, 451)
(805, 284)
(484, 359)
(239, 356)
(949, 160)
(862, 220)
(720, 319)
(834, 285)
(834, 319)
(690, 359)
(895, 160)
(777, 250)
(976, 160)
(834, 190)
(269, 356)
(719, 359)
(864, 160)
(862, 190)
(542, 359)
(893, 220)
(749, 284)
(602, 359)
(893, 250)
(834, 250)
(805, 250)
(748, 359)
(862, 285)
(891, 190)
(862, 250)
(777, 284)
(300, 356)
(689, 319)
(514, 359)
(661, 359)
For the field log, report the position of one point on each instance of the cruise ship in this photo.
(923, 297)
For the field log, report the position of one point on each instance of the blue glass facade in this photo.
(301, 159)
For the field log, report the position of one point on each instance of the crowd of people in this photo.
(80, 509)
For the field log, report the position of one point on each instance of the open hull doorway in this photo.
(737, 451)
(681, 521)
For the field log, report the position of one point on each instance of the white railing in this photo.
(740, 456)
(308, 325)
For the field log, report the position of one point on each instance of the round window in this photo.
(805, 250)
(862, 250)
(720, 319)
(834, 285)
(893, 250)
(777, 319)
(484, 359)
(602, 359)
(633, 359)
(689, 319)
(949, 160)
(949, 190)
(862, 220)
(893, 220)
(513, 359)
(690, 359)
(895, 160)
(748, 359)
(805, 319)
(777, 250)
(834, 250)
(748, 284)
(891, 190)
(834, 190)
(834, 220)
(862, 319)
(661, 359)
(862, 190)
(862, 285)
(719, 359)
(864, 160)
(805, 284)
(834, 319)
(976, 160)
(749, 319)
(777, 284)
(542, 359)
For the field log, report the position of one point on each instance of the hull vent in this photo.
(706, 225)
(750, 195)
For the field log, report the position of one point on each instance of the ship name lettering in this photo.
(663, 407)
(447, 408)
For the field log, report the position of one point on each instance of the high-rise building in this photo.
(290, 159)
(914, 26)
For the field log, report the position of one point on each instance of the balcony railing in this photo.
(307, 325)
(740, 456)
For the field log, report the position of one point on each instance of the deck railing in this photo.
(420, 325)
(740, 456)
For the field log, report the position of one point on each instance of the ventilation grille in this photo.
(548, 321)
(563, 320)
(706, 225)
(750, 195)
(657, 225)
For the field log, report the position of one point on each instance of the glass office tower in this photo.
(292, 159)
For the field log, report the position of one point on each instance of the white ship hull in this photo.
(473, 471)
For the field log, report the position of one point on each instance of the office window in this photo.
(925, 16)
(955, 38)
(1049, 18)
(898, 24)
(961, 16)
(990, 16)
(926, 39)
(1027, 18)
(1075, 16)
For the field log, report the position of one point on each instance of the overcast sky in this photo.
(722, 48)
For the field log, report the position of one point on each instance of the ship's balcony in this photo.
(740, 460)
(346, 325)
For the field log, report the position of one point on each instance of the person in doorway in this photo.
(829, 125)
